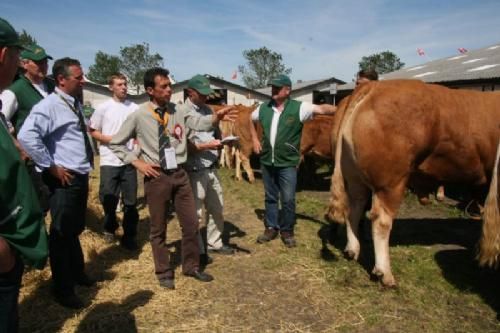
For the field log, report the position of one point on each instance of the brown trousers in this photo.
(159, 191)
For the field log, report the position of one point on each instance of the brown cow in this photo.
(394, 131)
(243, 148)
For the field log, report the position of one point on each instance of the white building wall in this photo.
(304, 97)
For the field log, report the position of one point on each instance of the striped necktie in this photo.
(164, 141)
(83, 128)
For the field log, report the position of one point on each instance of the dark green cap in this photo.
(200, 84)
(280, 81)
(8, 36)
(35, 52)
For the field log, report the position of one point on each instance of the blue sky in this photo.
(317, 38)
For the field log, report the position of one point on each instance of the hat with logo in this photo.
(34, 52)
(200, 84)
(8, 36)
(280, 81)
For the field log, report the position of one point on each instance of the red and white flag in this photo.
(234, 76)
(462, 50)
(420, 51)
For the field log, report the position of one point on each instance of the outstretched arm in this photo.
(325, 109)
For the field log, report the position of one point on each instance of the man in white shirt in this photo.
(116, 176)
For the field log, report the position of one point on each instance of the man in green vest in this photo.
(20, 97)
(31, 87)
(282, 119)
(22, 231)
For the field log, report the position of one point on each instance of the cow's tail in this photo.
(489, 246)
(338, 208)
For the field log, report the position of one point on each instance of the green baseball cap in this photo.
(34, 52)
(8, 36)
(200, 84)
(280, 81)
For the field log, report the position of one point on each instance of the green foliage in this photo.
(26, 39)
(136, 59)
(133, 61)
(104, 66)
(262, 65)
(383, 62)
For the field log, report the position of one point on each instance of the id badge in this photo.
(170, 158)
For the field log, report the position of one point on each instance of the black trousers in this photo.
(10, 283)
(68, 205)
(116, 179)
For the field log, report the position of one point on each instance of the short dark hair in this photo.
(150, 74)
(369, 74)
(61, 67)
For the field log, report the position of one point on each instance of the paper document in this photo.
(229, 139)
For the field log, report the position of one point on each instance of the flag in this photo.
(420, 51)
(234, 76)
(462, 50)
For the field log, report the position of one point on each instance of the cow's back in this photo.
(404, 126)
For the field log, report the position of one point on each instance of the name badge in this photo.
(170, 158)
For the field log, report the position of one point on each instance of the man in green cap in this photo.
(30, 88)
(201, 166)
(20, 97)
(282, 119)
(22, 231)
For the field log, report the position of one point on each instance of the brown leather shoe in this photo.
(268, 235)
(167, 283)
(200, 276)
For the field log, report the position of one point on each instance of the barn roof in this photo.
(473, 65)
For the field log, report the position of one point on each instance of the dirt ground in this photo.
(269, 288)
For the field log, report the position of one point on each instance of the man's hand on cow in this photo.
(228, 113)
(63, 175)
(147, 169)
(213, 144)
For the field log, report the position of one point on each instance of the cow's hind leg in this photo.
(384, 207)
(359, 194)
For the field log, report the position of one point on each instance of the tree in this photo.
(105, 65)
(262, 65)
(26, 39)
(135, 60)
(383, 62)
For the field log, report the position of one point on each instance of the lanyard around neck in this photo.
(68, 104)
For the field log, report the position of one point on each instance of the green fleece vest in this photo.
(21, 219)
(27, 96)
(286, 152)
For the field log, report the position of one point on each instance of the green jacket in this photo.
(286, 152)
(27, 96)
(21, 219)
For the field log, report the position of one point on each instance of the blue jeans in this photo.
(279, 185)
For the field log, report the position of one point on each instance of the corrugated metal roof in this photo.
(479, 64)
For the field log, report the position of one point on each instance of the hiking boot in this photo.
(288, 239)
(268, 235)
